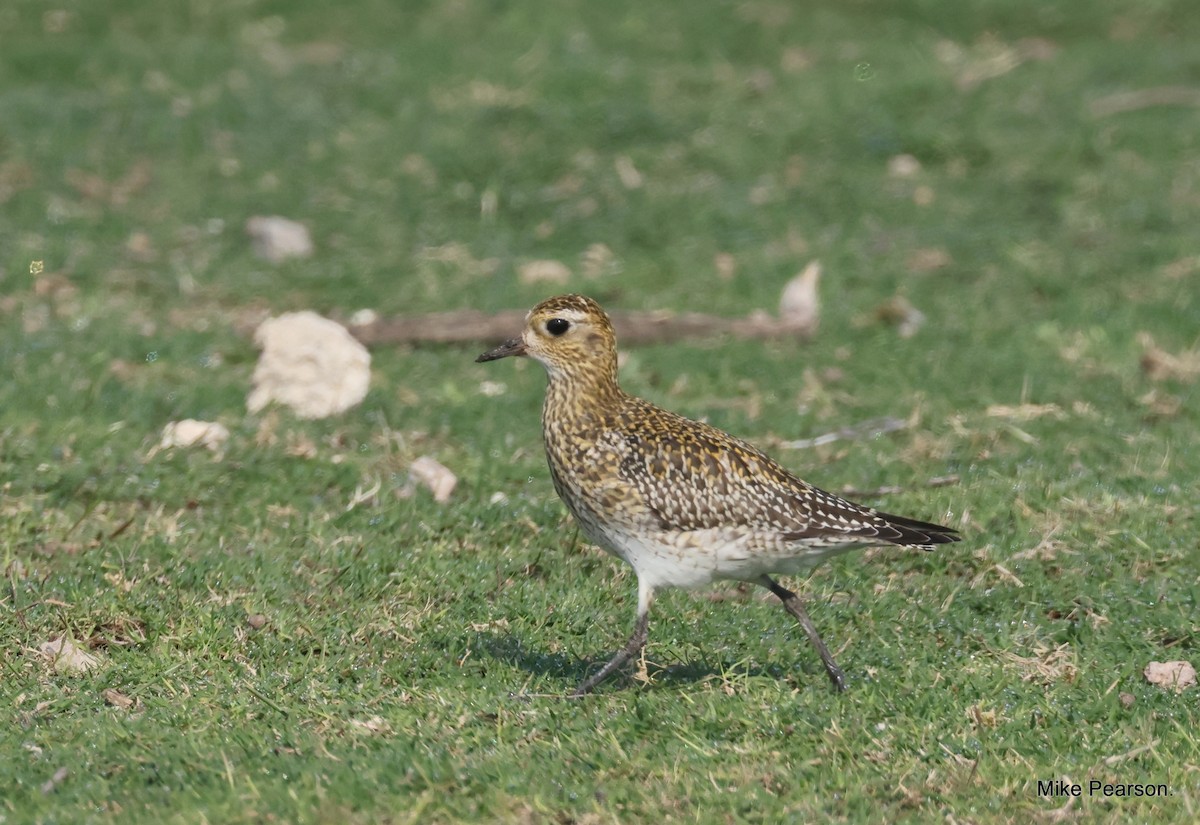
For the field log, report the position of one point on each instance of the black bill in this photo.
(513, 346)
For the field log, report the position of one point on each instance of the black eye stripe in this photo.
(557, 326)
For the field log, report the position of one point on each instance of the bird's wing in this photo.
(691, 476)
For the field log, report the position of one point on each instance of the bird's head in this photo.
(569, 334)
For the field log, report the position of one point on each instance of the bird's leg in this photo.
(795, 605)
(632, 647)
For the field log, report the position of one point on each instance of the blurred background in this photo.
(664, 156)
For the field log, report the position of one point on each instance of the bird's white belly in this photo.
(697, 557)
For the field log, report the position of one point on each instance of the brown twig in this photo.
(867, 429)
(1143, 99)
(893, 489)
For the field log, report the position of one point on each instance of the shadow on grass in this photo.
(513, 651)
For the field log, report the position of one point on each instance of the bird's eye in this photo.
(557, 326)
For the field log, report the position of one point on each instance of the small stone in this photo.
(435, 476)
(726, 265)
(257, 621)
(903, 166)
(140, 247)
(1127, 700)
(277, 239)
(192, 433)
(363, 318)
(928, 259)
(53, 782)
(630, 177)
(68, 658)
(598, 260)
(544, 272)
(799, 306)
(1177, 676)
(795, 60)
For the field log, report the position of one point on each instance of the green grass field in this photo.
(405, 659)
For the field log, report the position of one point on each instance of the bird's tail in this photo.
(912, 533)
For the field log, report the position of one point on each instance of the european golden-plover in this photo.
(682, 502)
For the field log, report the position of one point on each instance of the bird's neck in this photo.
(582, 394)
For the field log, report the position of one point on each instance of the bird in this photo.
(682, 502)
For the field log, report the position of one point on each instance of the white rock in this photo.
(192, 433)
(799, 306)
(1177, 676)
(903, 166)
(309, 363)
(597, 260)
(547, 272)
(363, 317)
(434, 475)
(630, 177)
(67, 657)
(277, 239)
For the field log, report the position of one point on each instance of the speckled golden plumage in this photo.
(682, 502)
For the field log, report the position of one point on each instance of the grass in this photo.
(434, 148)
